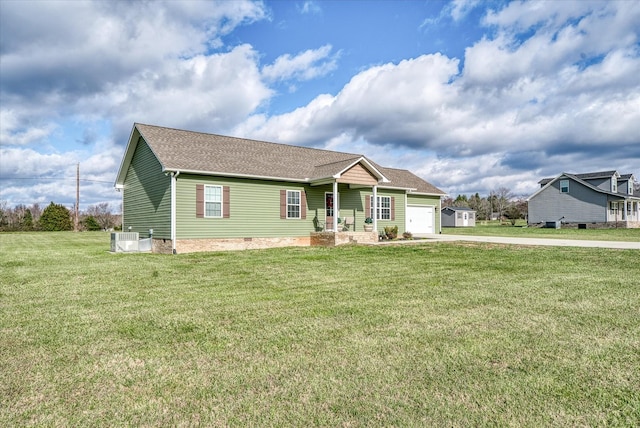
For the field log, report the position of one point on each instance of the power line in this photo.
(55, 178)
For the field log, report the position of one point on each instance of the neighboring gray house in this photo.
(596, 199)
(458, 217)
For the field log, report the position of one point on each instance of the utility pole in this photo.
(77, 195)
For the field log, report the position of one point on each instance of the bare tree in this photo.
(447, 202)
(102, 213)
(501, 197)
(4, 212)
(36, 212)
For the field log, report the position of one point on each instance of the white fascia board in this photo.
(320, 182)
(427, 194)
(406, 189)
(233, 175)
(126, 157)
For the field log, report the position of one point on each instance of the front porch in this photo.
(333, 239)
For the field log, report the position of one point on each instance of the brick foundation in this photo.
(331, 239)
(227, 244)
(325, 239)
(161, 246)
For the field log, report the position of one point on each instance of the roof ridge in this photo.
(249, 139)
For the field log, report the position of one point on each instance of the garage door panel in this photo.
(420, 219)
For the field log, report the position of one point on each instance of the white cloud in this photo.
(551, 77)
(564, 87)
(307, 65)
(460, 8)
(310, 7)
(14, 132)
(148, 62)
(390, 101)
(201, 93)
(29, 176)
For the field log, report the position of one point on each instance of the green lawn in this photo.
(493, 228)
(431, 334)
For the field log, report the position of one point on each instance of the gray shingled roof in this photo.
(585, 176)
(591, 175)
(213, 154)
(452, 208)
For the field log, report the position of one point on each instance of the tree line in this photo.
(498, 205)
(56, 217)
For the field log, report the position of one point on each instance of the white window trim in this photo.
(561, 186)
(379, 207)
(221, 201)
(299, 204)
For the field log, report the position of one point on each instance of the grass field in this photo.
(495, 228)
(430, 334)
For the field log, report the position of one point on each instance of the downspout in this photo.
(174, 178)
(336, 206)
(375, 208)
(440, 215)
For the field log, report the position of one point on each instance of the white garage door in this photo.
(420, 219)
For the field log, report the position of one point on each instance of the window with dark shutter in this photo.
(212, 201)
(199, 200)
(393, 208)
(226, 202)
(283, 204)
(385, 207)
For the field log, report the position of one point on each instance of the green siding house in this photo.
(202, 192)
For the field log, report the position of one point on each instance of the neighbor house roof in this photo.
(585, 176)
(211, 154)
(458, 209)
(580, 178)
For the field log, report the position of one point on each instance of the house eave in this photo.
(235, 175)
(426, 194)
(132, 143)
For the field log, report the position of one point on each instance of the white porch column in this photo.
(336, 206)
(624, 212)
(374, 206)
(174, 178)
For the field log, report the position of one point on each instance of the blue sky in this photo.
(470, 95)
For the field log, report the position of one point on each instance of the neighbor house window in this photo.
(384, 208)
(213, 201)
(630, 185)
(613, 206)
(564, 186)
(614, 185)
(293, 204)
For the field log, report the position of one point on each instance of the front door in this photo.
(466, 219)
(328, 206)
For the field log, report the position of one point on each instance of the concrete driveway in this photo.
(532, 241)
